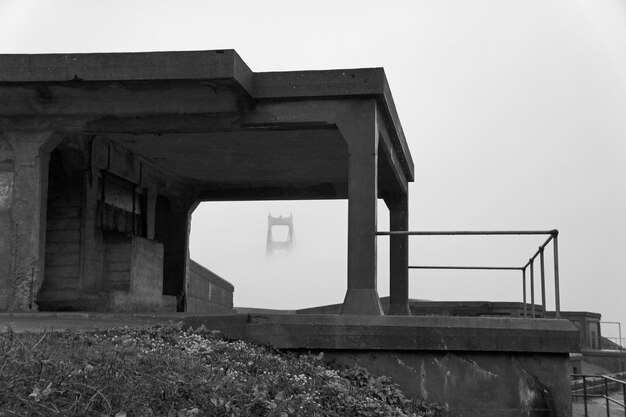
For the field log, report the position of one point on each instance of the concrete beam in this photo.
(391, 157)
(344, 83)
(127, 98)
(182, 65)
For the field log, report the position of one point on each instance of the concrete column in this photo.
(361, 133)
(176, 251)
(25, 197)
(7, 168)
(399, 257)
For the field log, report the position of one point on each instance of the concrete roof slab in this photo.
(123, 93)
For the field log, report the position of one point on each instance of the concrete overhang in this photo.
(196, 115)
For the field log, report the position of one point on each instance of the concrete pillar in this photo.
(360, 131)
(23, 195)
(176, 251)
(7, 164)
(399, 257)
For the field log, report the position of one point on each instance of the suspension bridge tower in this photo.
(273, 243)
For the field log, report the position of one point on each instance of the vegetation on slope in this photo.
(166, 371)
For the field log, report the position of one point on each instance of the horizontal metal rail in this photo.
(553, 237)
(485, 268)
(470, 233)
(618, 340)
(604, 386)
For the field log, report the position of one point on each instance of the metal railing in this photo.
(598, 386)
(618, 343)
(617, 340)
(553, 237)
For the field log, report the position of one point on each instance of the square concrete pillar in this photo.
(23, 199)
(399, 257)
(361, 133)
(173, 232)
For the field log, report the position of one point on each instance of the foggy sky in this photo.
(514, 112)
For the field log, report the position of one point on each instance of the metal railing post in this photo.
(543, 281)
(585, 394)
(624, 396)
(606, 397)
(557, 296)
(524, 292)
(532, 288)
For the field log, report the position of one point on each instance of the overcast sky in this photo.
(514, 111)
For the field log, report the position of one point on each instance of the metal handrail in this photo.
(619, 340)
(604, 385)
(553, 237)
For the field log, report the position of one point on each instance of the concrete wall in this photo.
(488, 367)
(613, 361)
(55, 252)
(63, 229)
(144, 290)
(206, 291)
(474, 384)
(588, 325)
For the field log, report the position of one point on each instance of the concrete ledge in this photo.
(126, 66)
(327, 332)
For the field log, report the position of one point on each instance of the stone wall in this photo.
(206, 291)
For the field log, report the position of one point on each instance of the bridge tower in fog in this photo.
(289, 242)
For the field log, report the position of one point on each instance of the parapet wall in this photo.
(206, 291)
(475, 366)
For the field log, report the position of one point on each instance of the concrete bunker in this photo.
(114, 151)
(103, 157)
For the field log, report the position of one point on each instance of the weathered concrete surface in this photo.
(445, 308)
(530, 380)
(144, 292)
(611, 360)
(207, 292)
(56, 321)
(166, 130)
(7, 161)
(471, 384)
(422, 333)
(495, 367)
(22, 207)
(588, 325)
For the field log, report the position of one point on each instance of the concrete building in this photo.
(104, 156)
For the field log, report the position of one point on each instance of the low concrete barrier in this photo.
(475, 366)
(206, 291)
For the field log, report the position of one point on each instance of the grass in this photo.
(167, 371)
